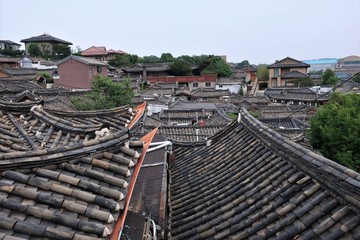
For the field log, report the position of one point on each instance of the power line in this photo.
(321, 95)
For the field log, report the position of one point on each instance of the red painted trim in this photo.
(121, 220)
(139, 112)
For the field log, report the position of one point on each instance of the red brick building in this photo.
(77, 72)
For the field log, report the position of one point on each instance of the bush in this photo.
(105, 94)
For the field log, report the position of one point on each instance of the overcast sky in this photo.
(260, 31)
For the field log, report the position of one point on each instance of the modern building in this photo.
(283, 72)
(322, 64)
(77, 72)
(45, 42)
(10, 45)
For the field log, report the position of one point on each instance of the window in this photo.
(98, 69)
(220, 86)
(276, 72)
(207, 84)
(195, 84)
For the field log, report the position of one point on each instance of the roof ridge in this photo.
(338, 176)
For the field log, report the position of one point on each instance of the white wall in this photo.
(233, 88)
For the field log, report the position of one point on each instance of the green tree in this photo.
(149, 59)
(61, 50)
(179, 68)
(241, 91)
(335, 129)
(124, 60)
(47, 76)
(34, 50)
(262, 72)
(166, 57)
(218, 66)
(328, 78)
(105, 94)
(356, 77)
(12, 53)
(304, 82)
(244, 64)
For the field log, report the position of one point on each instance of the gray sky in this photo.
(260, 31)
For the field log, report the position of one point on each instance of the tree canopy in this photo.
(262, 72)
(181, 65)
(217, 66)
(180, 68)
(61, 50)
(149, 59)
(166, 57)
(328, 78)
(124, 60)
(304, 82)
(244, 64)
(105, 94)
(356, 78)
(34, 50)
(335, 129)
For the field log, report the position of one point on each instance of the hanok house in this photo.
(67, 174)
(207, 95)
(9, 62)
(191, 82)
(147, 70)
(248, 181)
(18, 73)
(301, 98)
(285, 71)
(186, 125)
(233, 85)
(101, 54)
(77, 72)
(45, 43)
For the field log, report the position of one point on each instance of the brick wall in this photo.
(77, 75)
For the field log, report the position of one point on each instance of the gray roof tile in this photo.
(71, 187)
(267, 186)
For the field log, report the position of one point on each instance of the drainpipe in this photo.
(197, 134)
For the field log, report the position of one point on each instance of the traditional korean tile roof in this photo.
(94, 51)
(181, 104)
(177, 124)
(284, 123)
(283, 110)
(186, 116)
(256, 100)
(279, 90)
(9, 59)
(20, 72)
(294, 74)
(209, 93)
(62, 175)
(17, 85)
(45, 38)
(249, 182)
(112, 51)
(300, 96)
(188, 133)
(155, 67)
(288, 62)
